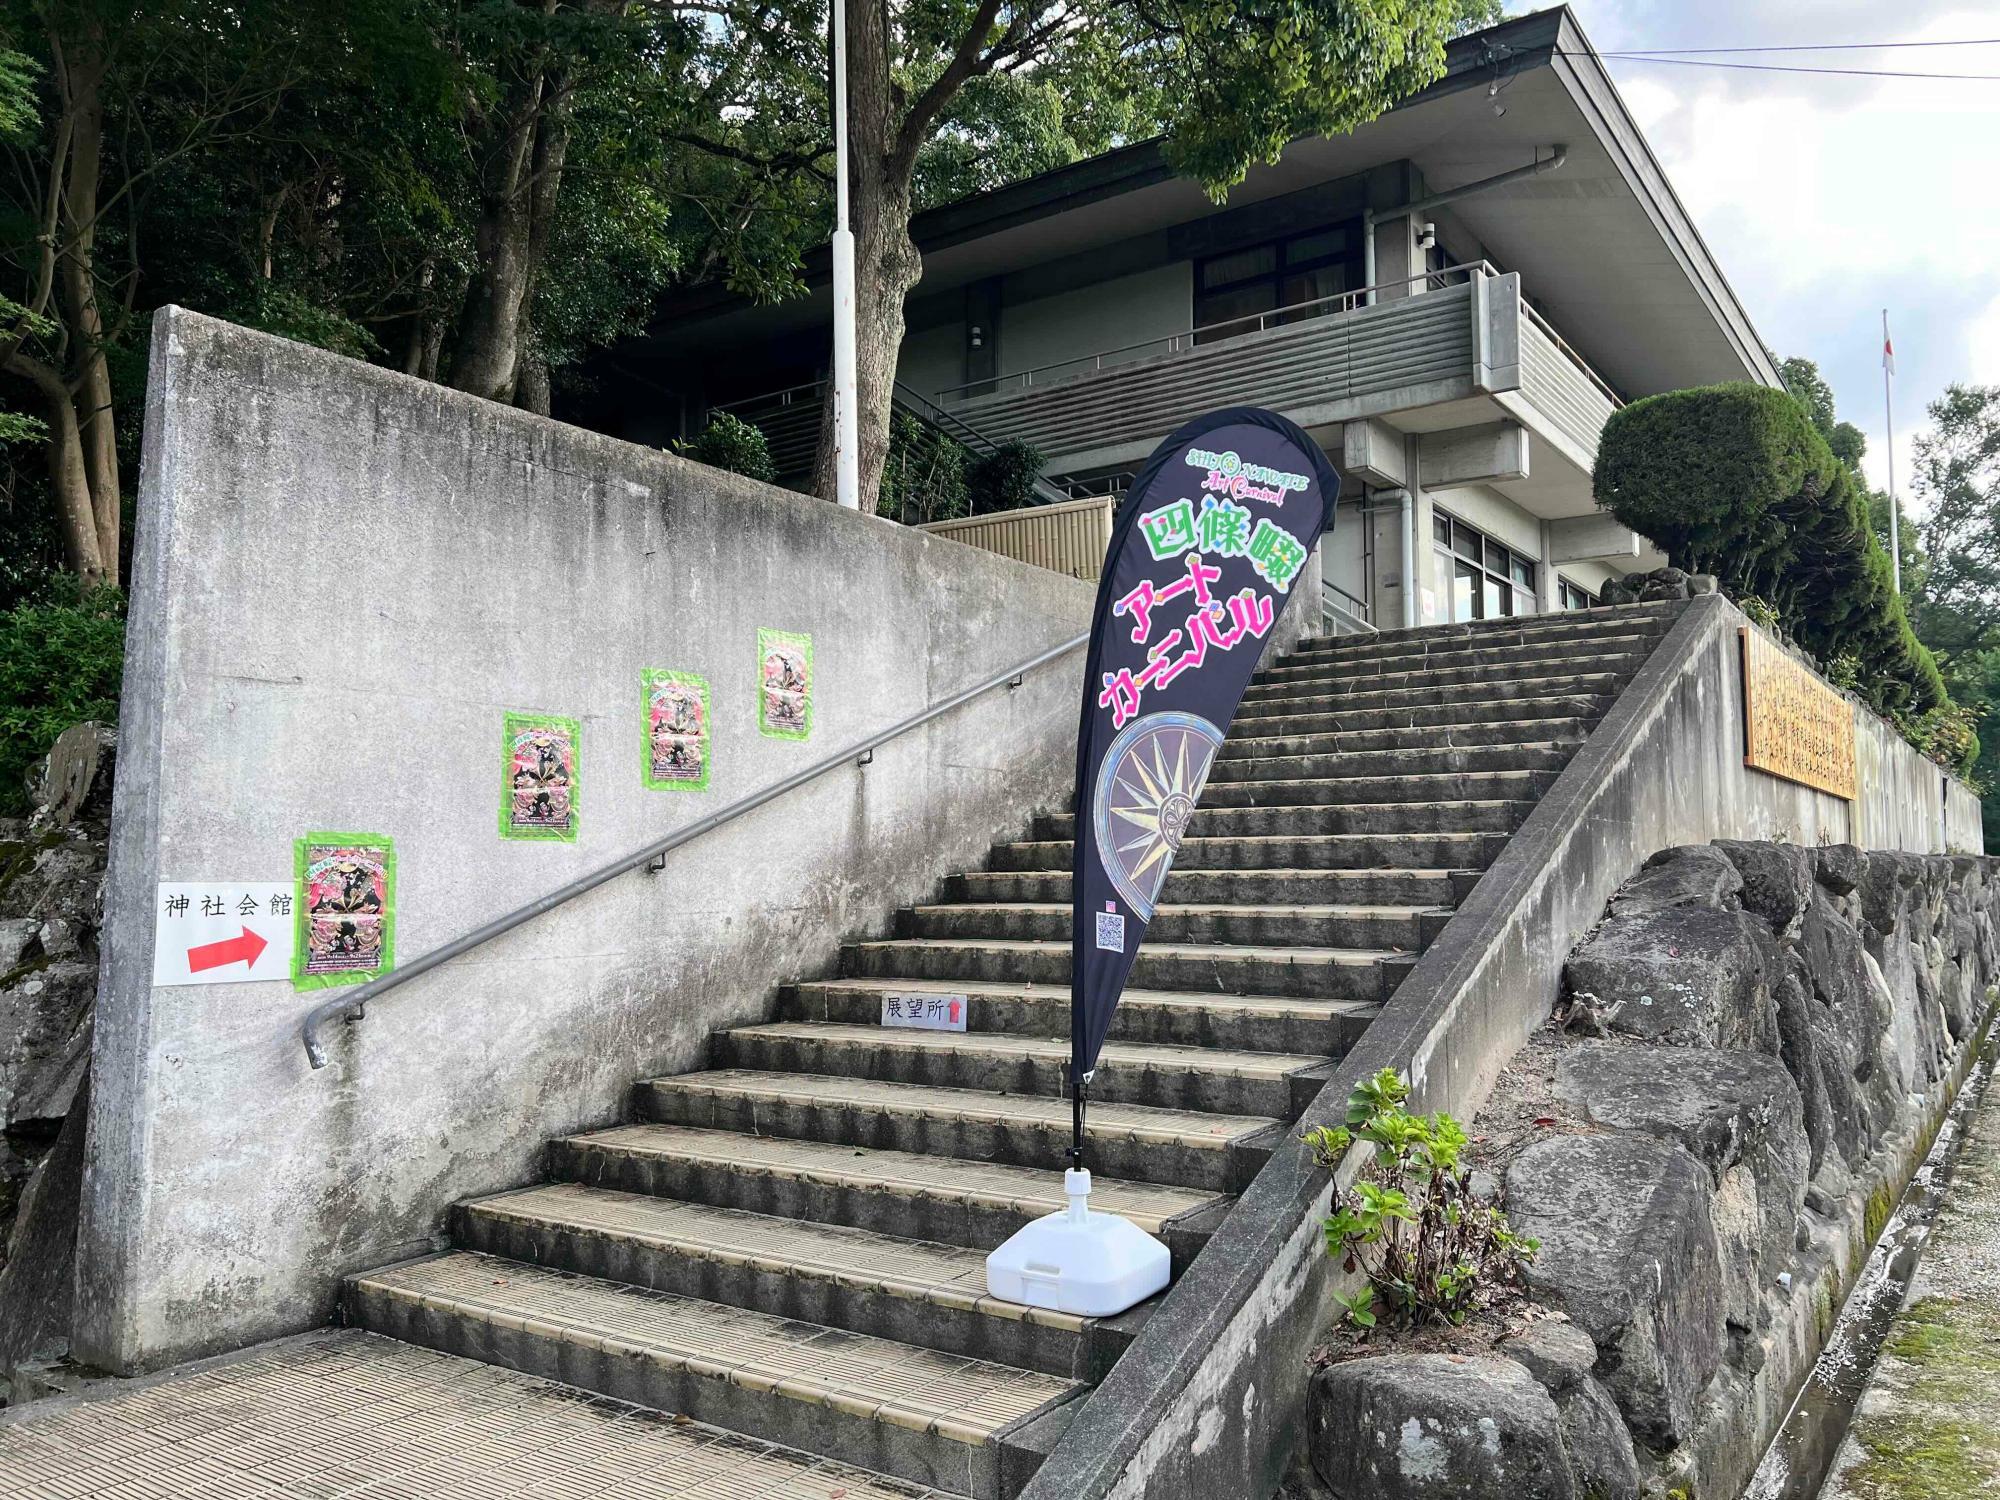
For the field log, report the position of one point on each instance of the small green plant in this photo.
(729, 442)
(1430, 1250)
(1759, 611)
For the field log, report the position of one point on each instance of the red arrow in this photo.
(228, 951)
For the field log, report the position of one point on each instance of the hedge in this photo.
(1734, 480)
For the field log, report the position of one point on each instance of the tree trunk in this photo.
(82, 78)
(886, 263)
(522, 182)
(486, 356)
(531, 386)
(68, 472)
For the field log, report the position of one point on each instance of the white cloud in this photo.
(1826, 199)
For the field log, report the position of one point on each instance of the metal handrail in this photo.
(781, 397)
(1172, 343)
(353, 1006)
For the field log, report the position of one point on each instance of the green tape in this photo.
(541, 779)
(784, 684)
(344, 905)
(677, 734)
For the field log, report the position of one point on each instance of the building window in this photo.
(1283, 273)
(1480, 578)
(1570, 596)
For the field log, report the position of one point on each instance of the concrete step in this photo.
(1417, 656)
(1327, 973)
(1185, 1148)
(1568, 731)
(1241, 1023)
(1353, 791)
(918, 1414)
(1254, 723)
(915, 1291)
(1208, 1079)
(1428, 888)
(1485, 815)
(1320, 852)
(976, 1204)
(1329, 684)
(1273, 926)
(1290, 701)
(1517, 630)
(1371, 765)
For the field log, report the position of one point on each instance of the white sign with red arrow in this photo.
(223, 932)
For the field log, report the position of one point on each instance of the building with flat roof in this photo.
(1453, 299)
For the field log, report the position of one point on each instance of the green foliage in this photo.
(1005, 478)
(62, 656)
(1736, 480)
(1429, 1249)
(1956, 591)
(729, 442)
(923, 478)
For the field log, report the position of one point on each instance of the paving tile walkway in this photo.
(1928, 1426)
(347, 1415)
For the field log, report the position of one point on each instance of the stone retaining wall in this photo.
(1756, 1047)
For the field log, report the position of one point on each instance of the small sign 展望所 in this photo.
(924, 1012)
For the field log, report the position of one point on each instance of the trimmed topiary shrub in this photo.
(1734, 480)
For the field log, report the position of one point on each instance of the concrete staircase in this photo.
(791, 1245)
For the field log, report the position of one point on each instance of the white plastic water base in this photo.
(1092, 1265)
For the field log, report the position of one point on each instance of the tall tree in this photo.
(1955, 598)
(1228, 85)
(1957, 478)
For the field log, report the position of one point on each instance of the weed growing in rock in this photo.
(1411, 1223)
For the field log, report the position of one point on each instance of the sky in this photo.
(1826, 199)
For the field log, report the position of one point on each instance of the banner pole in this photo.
(1077, 1087)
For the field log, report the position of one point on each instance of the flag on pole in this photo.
(1888, 352)
(1204, 552)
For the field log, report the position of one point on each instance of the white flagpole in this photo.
(1889, 426)
(846, 409)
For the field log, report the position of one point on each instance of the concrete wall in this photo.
(1093, 319)
(342, 579)
(1213, 1389)
(933, 359)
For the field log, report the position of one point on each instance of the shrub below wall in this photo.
(1756, 1047)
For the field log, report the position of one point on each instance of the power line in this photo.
(1699, 62)
(1982, 41)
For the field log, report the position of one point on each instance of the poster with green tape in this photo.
(677, 732)
(784, 684)
(539, 797)
(346, 909)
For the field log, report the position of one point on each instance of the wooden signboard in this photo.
(1795, 726)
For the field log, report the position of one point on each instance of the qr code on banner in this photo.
(1111, 932)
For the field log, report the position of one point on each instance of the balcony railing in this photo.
(1465, 332)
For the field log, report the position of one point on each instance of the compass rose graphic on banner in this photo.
(1146, 791)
